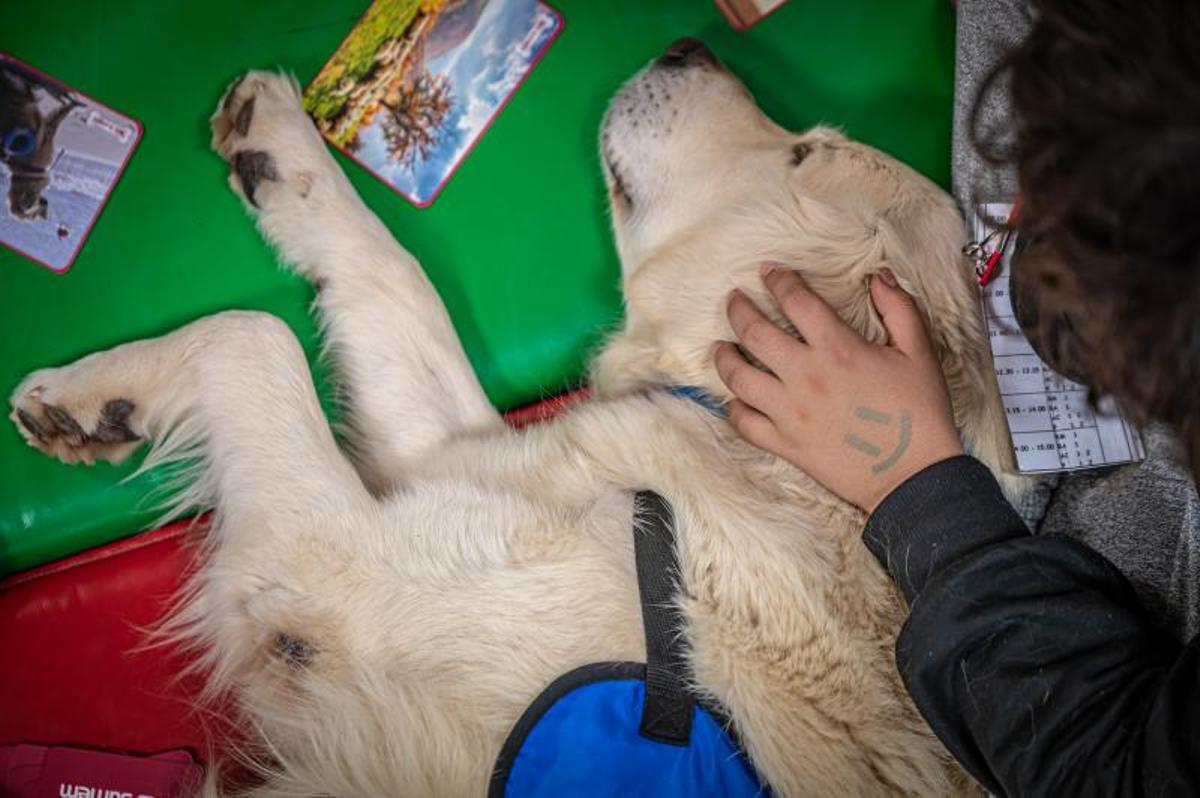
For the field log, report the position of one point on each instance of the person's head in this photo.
(1106, 141)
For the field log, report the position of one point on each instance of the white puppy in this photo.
(383, 617)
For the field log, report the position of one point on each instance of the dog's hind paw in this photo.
(262, 132)
(73, 427)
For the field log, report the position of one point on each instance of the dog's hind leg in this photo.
(233, 389)
(406, 382)
(233, 394)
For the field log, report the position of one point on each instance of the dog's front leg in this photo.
(407, 384)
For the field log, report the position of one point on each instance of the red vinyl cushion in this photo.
(75, 670)
(74, 665)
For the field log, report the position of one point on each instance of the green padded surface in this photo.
(518, 242)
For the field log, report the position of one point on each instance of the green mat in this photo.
(518, 243)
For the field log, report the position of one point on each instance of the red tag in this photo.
(743, 14)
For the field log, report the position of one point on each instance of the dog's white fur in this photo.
(449, 568)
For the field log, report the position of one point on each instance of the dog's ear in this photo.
(836, 251)
(922, 242)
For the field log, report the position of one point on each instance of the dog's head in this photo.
(705, 187)
(25, 200)
(684, 141)
(684, 144)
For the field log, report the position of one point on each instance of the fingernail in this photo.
(768, 267)
(886, 275)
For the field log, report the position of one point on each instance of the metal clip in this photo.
(988, 253)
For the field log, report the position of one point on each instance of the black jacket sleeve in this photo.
(1030, 656)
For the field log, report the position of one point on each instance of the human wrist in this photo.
(936, 515)
(930, 456)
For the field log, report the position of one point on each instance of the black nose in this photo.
(687, 52)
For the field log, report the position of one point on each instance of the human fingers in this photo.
(761, 337)
(748, 383)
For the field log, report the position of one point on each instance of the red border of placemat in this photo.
(728, 14)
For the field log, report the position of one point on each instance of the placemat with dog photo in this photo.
(63, 152)
(417, 82)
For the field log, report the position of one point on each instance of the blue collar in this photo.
(701, 397)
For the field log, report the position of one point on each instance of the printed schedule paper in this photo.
(1049, 420)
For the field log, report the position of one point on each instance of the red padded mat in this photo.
(74, 666)
(76, 670)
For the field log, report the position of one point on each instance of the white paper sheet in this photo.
(1051, 425)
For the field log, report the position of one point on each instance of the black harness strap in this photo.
(667, 710)
(668, 705)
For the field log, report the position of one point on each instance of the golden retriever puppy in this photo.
(383, 615)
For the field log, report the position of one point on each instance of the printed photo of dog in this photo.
(62, 152)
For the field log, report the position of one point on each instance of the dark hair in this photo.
(1105, 136)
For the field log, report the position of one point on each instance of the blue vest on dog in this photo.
(627, 728)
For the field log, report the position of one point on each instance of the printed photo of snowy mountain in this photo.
(60, 154)
(416, 83)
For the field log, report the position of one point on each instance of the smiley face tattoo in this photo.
(874, 451)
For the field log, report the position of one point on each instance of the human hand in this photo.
(858, 417)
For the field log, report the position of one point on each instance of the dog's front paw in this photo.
(261, 130)
(73, 425)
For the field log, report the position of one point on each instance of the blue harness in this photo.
(627, 728)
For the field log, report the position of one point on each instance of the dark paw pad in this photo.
(241, 122)
(230, 93)
(114, 423)
(65, 425)
(32, 425)
(253, 167)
